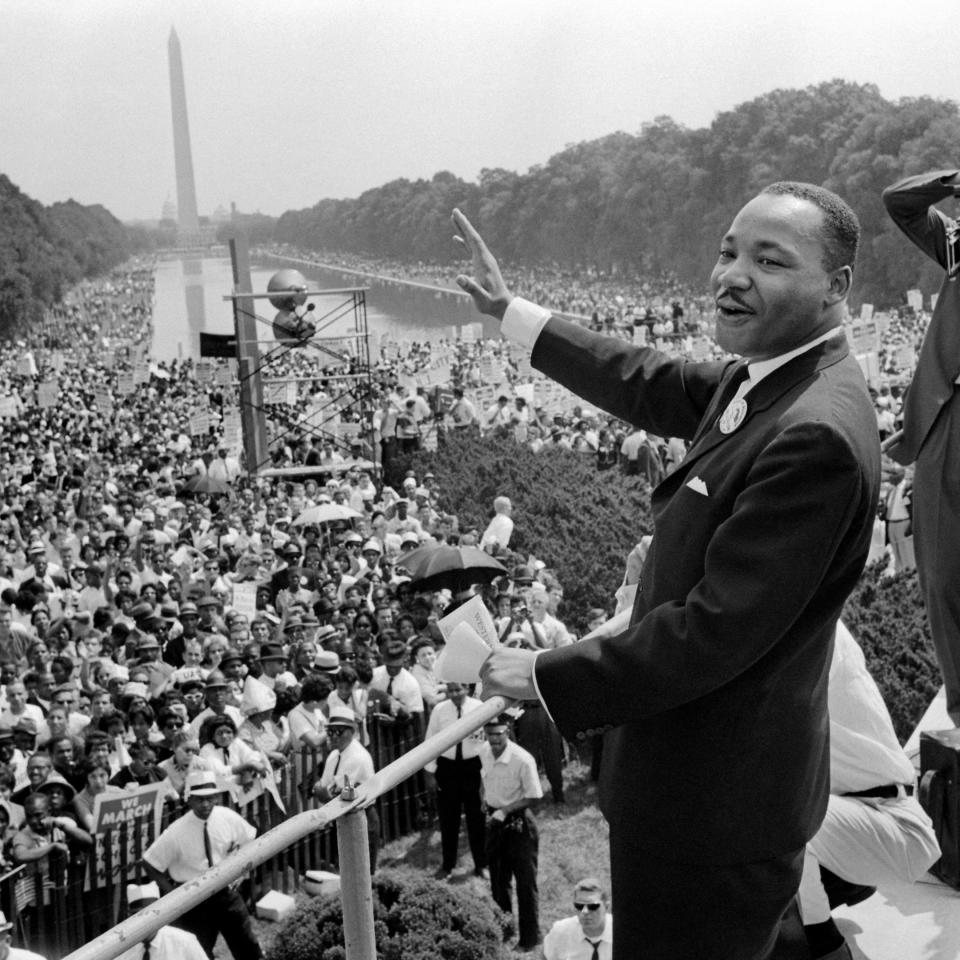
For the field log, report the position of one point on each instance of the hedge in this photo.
(580, 521)
(414, 916)
(583, 522)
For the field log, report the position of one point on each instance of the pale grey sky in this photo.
(292, 102)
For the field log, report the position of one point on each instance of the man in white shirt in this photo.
(589, 934)
(200, 839)
(398, 683)
(455, 776)
(348, 764)
(875, 830)
(168, 943)
(510, 786)
(18, 707)
(500, 528)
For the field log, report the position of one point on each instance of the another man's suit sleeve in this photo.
(910, 205)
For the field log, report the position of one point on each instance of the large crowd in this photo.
(150, 629)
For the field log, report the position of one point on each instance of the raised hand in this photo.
(486, 286)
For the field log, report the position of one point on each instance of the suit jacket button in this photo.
(581, 736)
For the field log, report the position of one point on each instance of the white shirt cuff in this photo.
(533, 677)
(523, 321)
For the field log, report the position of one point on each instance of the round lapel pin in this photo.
(733, 416)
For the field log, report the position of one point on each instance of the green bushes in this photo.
(887, 617)
(413, 917)
(582, 523)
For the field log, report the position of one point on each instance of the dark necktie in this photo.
(146, 950)
(458, 755)
(206, 844)
(226, 756)
(596, 948)
(390, 687)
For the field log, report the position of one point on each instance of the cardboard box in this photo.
(275, 905)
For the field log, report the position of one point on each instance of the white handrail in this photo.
(150, 919)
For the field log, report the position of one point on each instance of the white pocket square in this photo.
(696, 484)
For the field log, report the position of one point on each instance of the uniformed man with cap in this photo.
(348, 764)
(200, 839)
(511, 785)
(168, 943)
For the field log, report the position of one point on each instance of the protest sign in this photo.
(124, 824)
(245, 598)
(47, 393)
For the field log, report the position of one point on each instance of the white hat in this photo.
(202, 783)
(257, 697)
(142, 895)
(342, 717)
(372, 544)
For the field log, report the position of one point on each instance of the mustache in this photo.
(729, 298)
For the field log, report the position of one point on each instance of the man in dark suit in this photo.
(931, 416)
(716, 767)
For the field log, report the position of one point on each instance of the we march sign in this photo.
(139, 810)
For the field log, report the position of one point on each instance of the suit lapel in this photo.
(760, 398)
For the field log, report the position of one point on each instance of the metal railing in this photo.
(354, 856)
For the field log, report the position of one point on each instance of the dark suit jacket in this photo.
(910, 205)
(716, 694)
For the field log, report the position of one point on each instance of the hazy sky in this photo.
(290, 102)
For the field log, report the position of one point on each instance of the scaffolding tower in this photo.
(350, 393)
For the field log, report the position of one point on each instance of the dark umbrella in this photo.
(205, 484)
(436, 566)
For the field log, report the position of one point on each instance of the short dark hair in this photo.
(841, 228)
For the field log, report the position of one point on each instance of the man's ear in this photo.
(840, 283)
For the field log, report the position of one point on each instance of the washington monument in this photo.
(187, 219)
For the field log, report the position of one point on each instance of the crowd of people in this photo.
(148, 633)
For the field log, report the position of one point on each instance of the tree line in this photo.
(657, 202)
(44, 250)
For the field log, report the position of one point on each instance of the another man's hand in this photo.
(486, 286)
(508, 672)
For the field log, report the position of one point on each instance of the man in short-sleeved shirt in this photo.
(510, 785)
(200, 839)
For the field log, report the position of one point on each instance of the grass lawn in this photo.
(573, 845)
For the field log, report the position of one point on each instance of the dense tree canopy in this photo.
(659, 200)
(44, 250)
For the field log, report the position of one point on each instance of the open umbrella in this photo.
(205, 484)
(440, 565)
(325, 513)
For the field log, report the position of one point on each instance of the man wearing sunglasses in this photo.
(589, 934)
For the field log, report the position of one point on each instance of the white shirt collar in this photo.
(758, 369)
